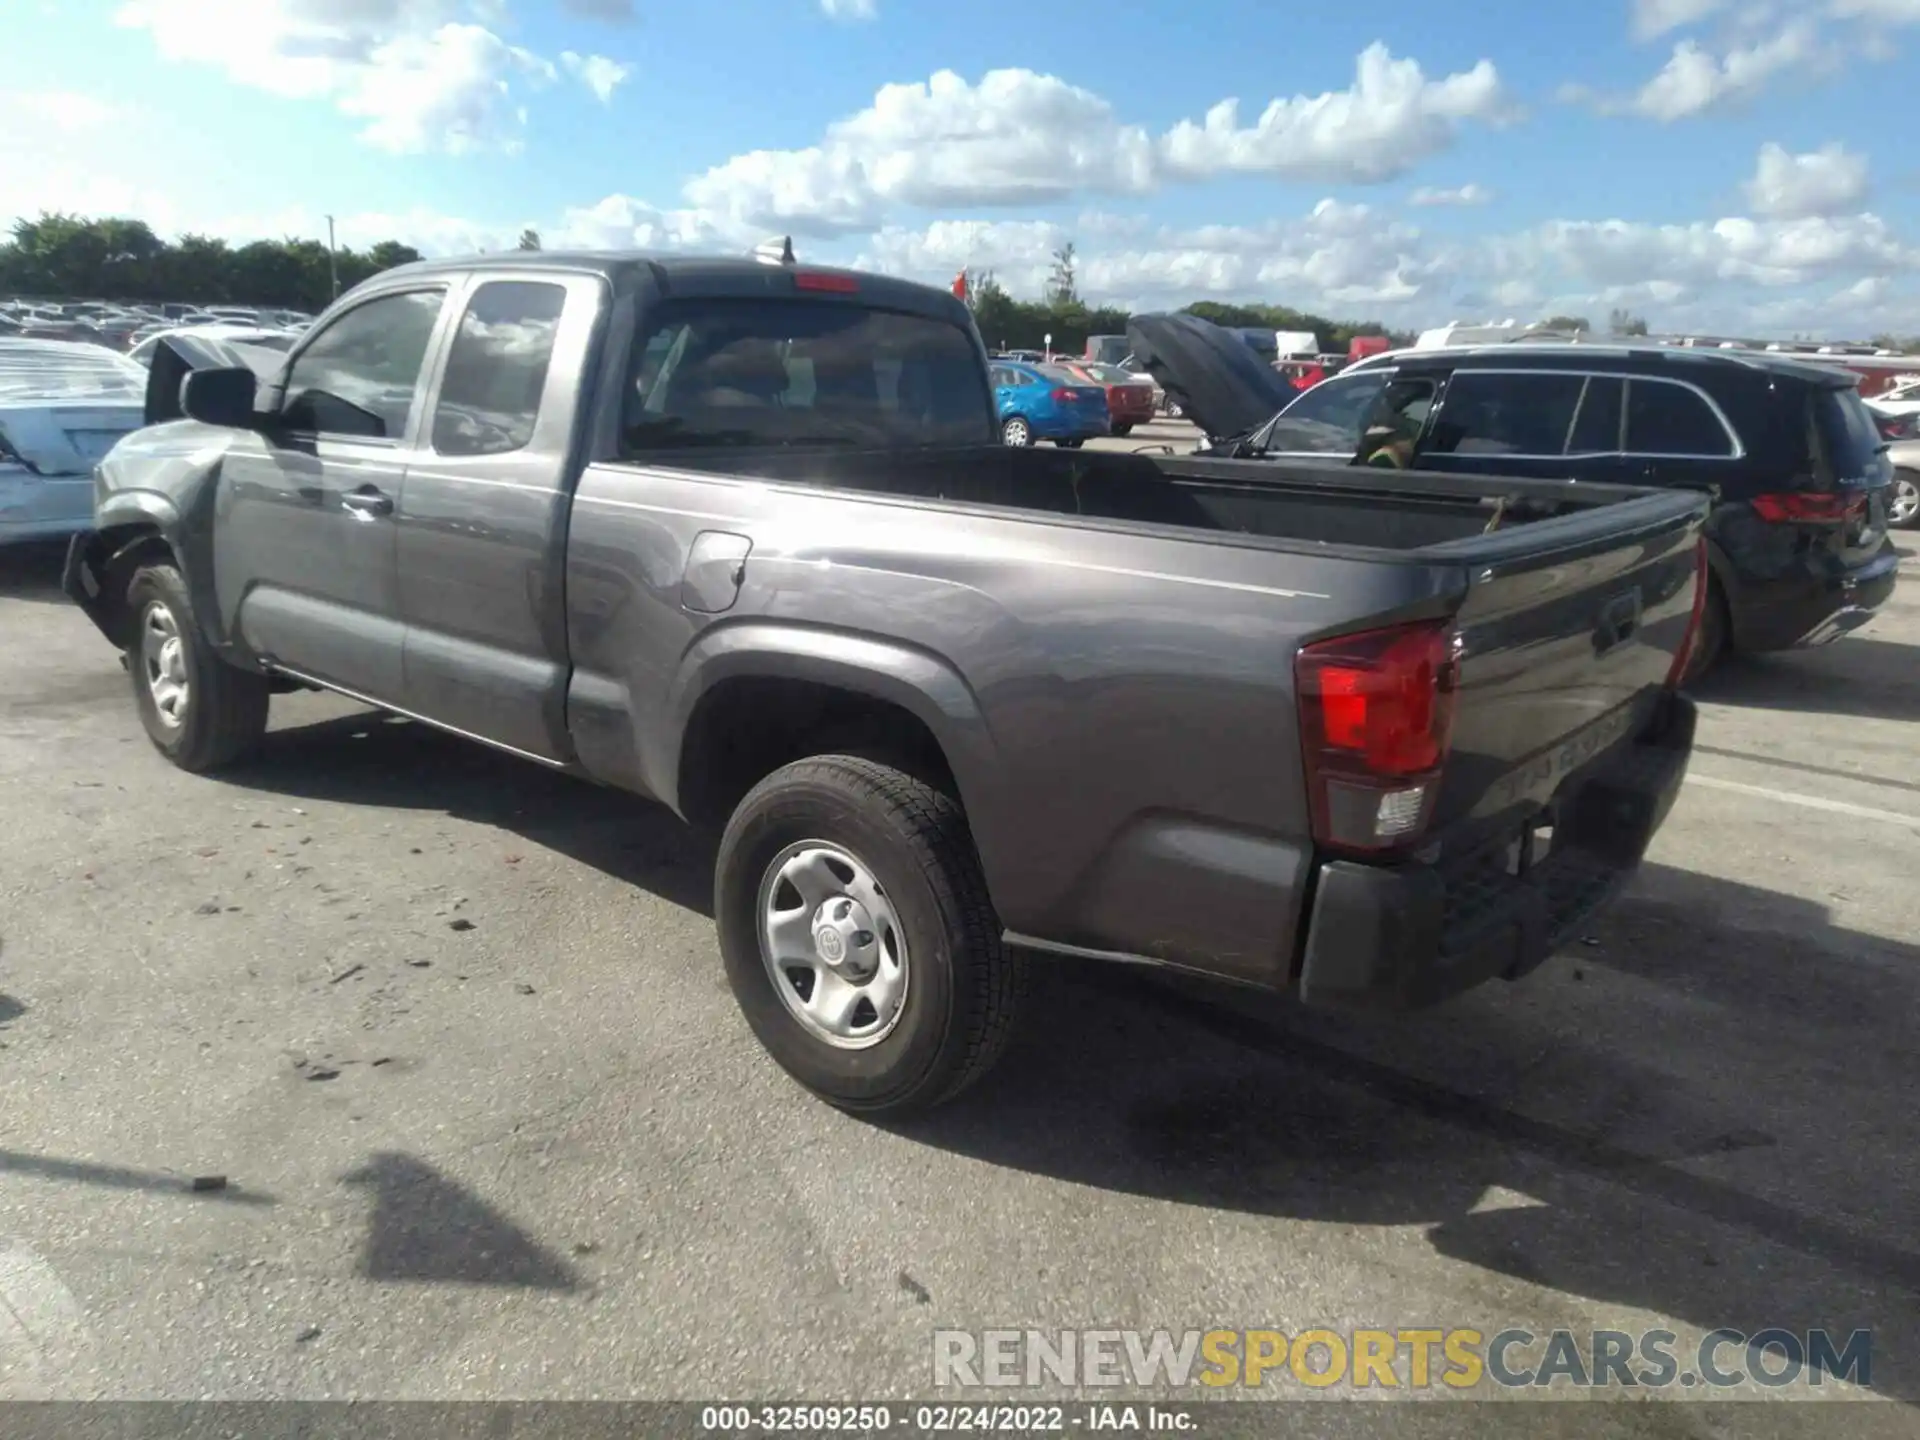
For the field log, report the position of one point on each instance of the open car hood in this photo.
(174, 357)
(1211, 373)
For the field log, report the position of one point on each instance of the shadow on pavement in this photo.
(1856, 675)
(392, 763)
(32, 572)
(1706, 1114)
(119, 1177)
(427, 1228)
(11, 1009)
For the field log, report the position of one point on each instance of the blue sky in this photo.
(1723, 164)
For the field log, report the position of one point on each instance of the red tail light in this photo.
(831, 284)
(1376, 717)
(1683, 657)
(1819, 506)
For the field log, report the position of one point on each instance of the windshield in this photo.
(803, 372)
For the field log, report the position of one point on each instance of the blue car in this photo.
(1041, 402)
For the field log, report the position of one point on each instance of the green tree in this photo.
(1569, 322)
(529, 239)
(1062, 280)
(1625, 322)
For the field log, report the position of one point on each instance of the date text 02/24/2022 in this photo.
(945, 1419)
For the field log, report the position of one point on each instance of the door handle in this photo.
(367, 503)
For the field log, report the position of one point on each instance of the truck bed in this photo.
(1318, 504)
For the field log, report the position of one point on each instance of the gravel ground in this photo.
(454, 1032)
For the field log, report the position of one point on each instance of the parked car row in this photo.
(124, 326)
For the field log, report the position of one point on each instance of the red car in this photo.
(1129, 396)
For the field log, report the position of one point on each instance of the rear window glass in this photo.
(802, 372)
(1507, 413)
(1668, 419)
(1847, 440)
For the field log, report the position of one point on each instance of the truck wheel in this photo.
(1016, 432)
(1711, 643)
(199, 711)
(858, 936)
(1903, 502)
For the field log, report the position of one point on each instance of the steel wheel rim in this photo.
(833, 945)
(163, 664)
(1905, 503)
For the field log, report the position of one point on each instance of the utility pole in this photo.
(333, 260)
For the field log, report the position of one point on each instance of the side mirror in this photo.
(221, 397)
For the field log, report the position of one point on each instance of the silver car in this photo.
(1903, 504)
(63, 406)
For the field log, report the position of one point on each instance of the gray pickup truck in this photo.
(739, 536)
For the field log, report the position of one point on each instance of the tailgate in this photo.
(1567, 634)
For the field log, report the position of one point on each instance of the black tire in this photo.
(1123, 430)
(224, 712)
(1069, 444)
(1710, 645)
(963, 986)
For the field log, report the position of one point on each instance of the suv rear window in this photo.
(802, 372)
(1845, 439)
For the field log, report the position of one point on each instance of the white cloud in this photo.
(620, 222)
(848, 9)
(1391, 118)
(1022, 138)
(1470, 194)
(1654, 18)
(67, 111)
(599, 74)
(1828, 181)
(1696, 80)
(1878, 12)
(619, 11)
(418, 76)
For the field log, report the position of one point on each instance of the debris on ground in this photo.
(522, 988)
(461, 924)
(346, 974)
(202, 1184)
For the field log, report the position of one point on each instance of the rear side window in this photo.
(1668, 419)
(1596, 429)
(1506, 413)
(1846, 442)
(775, 371)
(497, 369)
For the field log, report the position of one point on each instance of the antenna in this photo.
(777, 251)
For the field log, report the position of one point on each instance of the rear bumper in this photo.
(1069, 426)
(1412, 935)
(1787, 614)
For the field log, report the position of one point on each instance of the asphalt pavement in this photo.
(445, 1041)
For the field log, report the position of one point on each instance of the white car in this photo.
(1902, 399)
(1903, 502)
(63, 406)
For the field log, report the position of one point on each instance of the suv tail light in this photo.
(1683, 657)
(1376, 717)
(1817, 506)
(828, 284)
